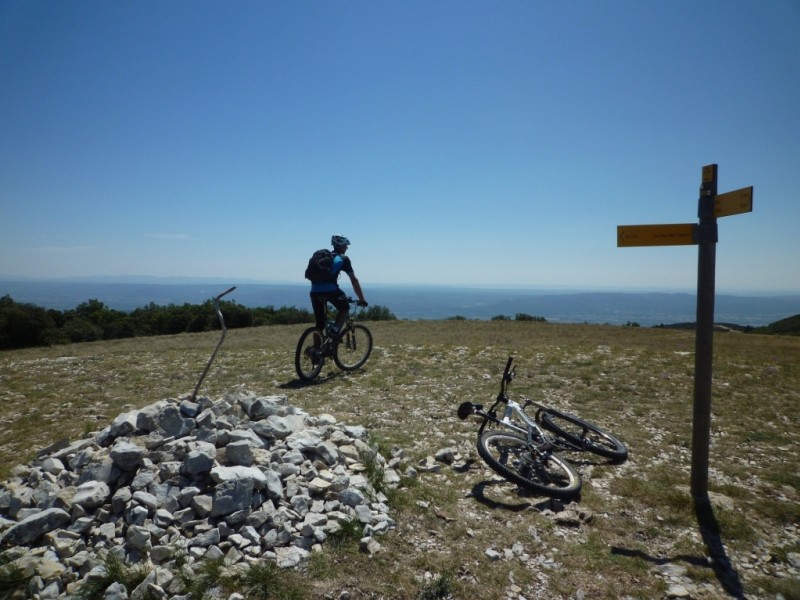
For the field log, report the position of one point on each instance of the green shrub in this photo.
(375, 313)
(527, 317)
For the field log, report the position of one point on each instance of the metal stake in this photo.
(221, 339)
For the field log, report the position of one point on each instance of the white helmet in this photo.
(337, 241)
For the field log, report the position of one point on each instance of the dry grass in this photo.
(635, 382)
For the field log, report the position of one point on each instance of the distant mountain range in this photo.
(419, 302)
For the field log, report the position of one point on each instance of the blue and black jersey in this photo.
(340, 264)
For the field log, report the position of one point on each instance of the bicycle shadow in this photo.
(711, 535)
(298, 384)
(332, 375)
(479, 493)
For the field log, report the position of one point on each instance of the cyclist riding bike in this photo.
(328, 290)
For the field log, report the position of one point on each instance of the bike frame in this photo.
(348, 323)
(530, 429)
(511, 409)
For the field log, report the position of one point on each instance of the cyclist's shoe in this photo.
(333, 332)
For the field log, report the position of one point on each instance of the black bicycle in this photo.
(349, 350)
(524, 449)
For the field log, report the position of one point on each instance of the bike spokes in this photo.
(354, 347)
(310, 354)
(510, 455)
(578, 434)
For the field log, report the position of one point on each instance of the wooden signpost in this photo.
(657, 235)
(704, 235)
(734, 203)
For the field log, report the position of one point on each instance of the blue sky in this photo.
(454, 142)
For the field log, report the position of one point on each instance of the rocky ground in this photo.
(240, 480)
(446, 525)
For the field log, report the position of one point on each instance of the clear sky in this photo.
(453, 142)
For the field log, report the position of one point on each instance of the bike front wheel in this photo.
(582, 434)
(508, 455)
(309, 356)
(354, 347)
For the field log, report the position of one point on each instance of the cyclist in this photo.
(329, 290)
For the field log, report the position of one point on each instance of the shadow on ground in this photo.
(717, 559)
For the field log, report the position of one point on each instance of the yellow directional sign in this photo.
(734, 203)
(681, 234)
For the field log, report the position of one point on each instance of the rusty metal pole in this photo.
(219, 343)
(704, 341)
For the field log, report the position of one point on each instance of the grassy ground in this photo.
(635, 382)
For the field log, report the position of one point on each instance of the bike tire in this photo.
(354, 348)
(583, 434)
(308, 358)
(507, 454)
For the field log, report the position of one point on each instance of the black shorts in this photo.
(319, 302)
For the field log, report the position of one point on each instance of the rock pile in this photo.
(242, 479)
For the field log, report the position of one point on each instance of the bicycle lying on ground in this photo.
(349, 350)
(523, 450)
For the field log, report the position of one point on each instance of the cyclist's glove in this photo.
(363, 303)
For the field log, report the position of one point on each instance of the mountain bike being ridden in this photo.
(324, 276)
(350, 348)
(523, 450)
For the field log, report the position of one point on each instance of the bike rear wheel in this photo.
(508, 455)
(309, 356)
(582, 434)
(354, 347)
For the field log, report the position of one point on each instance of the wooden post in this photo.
(704, 341)
(704, 234)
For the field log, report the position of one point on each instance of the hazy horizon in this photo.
(614, 307)
(226, 280)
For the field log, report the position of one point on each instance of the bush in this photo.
(527, 317)
(23, 325)
(375, 313)
(285, 315)
(79, 330)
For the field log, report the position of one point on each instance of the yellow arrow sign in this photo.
(734, 203)
(681, 234)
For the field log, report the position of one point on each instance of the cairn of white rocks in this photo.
(242, 479)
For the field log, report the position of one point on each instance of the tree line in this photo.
(24, 325)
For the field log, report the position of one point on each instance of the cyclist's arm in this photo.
(356, 286)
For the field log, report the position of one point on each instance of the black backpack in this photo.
(319, 266)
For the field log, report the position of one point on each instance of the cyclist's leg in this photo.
(319, 304)
(340, 302)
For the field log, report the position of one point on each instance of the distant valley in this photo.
(425, 302)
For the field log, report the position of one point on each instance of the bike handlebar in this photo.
(508, 375)
(354, 301)
(468, 408)
(507, 370)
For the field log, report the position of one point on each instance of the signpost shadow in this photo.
(709, 531)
